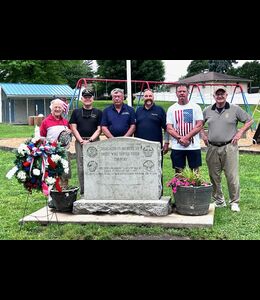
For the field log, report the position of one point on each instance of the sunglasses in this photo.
(87, 116)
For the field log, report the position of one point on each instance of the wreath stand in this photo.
(47, 212)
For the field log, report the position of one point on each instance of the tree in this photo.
(44, 71)
(221, 66)
(249, 70)
(196, 67)
(152, 70)
(73, 70)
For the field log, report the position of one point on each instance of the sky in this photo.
(174, 69)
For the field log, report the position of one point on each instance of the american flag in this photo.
(65, 104)
(65, 107)
(184, 121)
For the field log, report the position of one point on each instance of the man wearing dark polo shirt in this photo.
(119, 118)
(85, 125)
(222, 154)
(151, 121)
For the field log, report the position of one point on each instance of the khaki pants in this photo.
(225, 159)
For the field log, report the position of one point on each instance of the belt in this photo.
(220, 144)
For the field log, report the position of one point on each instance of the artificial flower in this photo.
(39, 163)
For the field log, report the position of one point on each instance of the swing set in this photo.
(84, 82)
(236, 86)
(146, 84)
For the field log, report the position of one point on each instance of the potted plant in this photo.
(63, 200)
(39, 165)
(192, 194)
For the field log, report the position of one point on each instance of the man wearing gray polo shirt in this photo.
(222, 154)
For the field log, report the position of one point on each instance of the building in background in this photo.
(213, 78)
(20, 101)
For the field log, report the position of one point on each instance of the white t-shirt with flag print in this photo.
(183, 118)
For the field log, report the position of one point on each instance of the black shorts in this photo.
(178, 158)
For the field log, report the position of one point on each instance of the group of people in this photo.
(182, 125)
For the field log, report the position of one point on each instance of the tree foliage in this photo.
(45, 71)
(249, 70)
(196, 67)
(74, 70)
(221, 66)
(152, 70)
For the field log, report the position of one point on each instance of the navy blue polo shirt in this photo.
(118, 123)
(150, 122)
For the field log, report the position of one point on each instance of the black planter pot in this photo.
(63, 201)
(193, 201)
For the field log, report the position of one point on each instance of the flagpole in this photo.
(129, 84)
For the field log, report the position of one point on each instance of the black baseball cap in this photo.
(87, 93)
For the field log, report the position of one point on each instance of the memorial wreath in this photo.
(39, 165)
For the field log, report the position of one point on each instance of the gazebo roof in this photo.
(213, 77)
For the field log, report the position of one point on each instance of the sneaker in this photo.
(220, 204)
(235, 207)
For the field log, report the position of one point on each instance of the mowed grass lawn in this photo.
(227, 225)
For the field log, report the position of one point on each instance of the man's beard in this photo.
(148, 102)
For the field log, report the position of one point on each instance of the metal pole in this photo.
(10, 113)
(129, 84)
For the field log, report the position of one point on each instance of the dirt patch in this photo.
(245, 144)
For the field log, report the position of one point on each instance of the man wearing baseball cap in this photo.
(222, 141)
(87, 93)
(86, 127)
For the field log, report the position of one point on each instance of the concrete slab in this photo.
(157, 208)
(46, 215)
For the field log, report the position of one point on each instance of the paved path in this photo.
(14, 143)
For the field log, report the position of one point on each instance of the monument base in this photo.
(160, 207)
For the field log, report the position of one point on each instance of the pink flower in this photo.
(186, 178)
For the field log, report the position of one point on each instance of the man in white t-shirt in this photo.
(184, 122)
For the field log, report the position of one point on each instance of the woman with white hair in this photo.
(54, 124)
(52, 127)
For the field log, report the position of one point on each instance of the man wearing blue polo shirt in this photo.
(150, 121)
(119, 118)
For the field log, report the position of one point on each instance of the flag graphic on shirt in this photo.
(184, 121)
